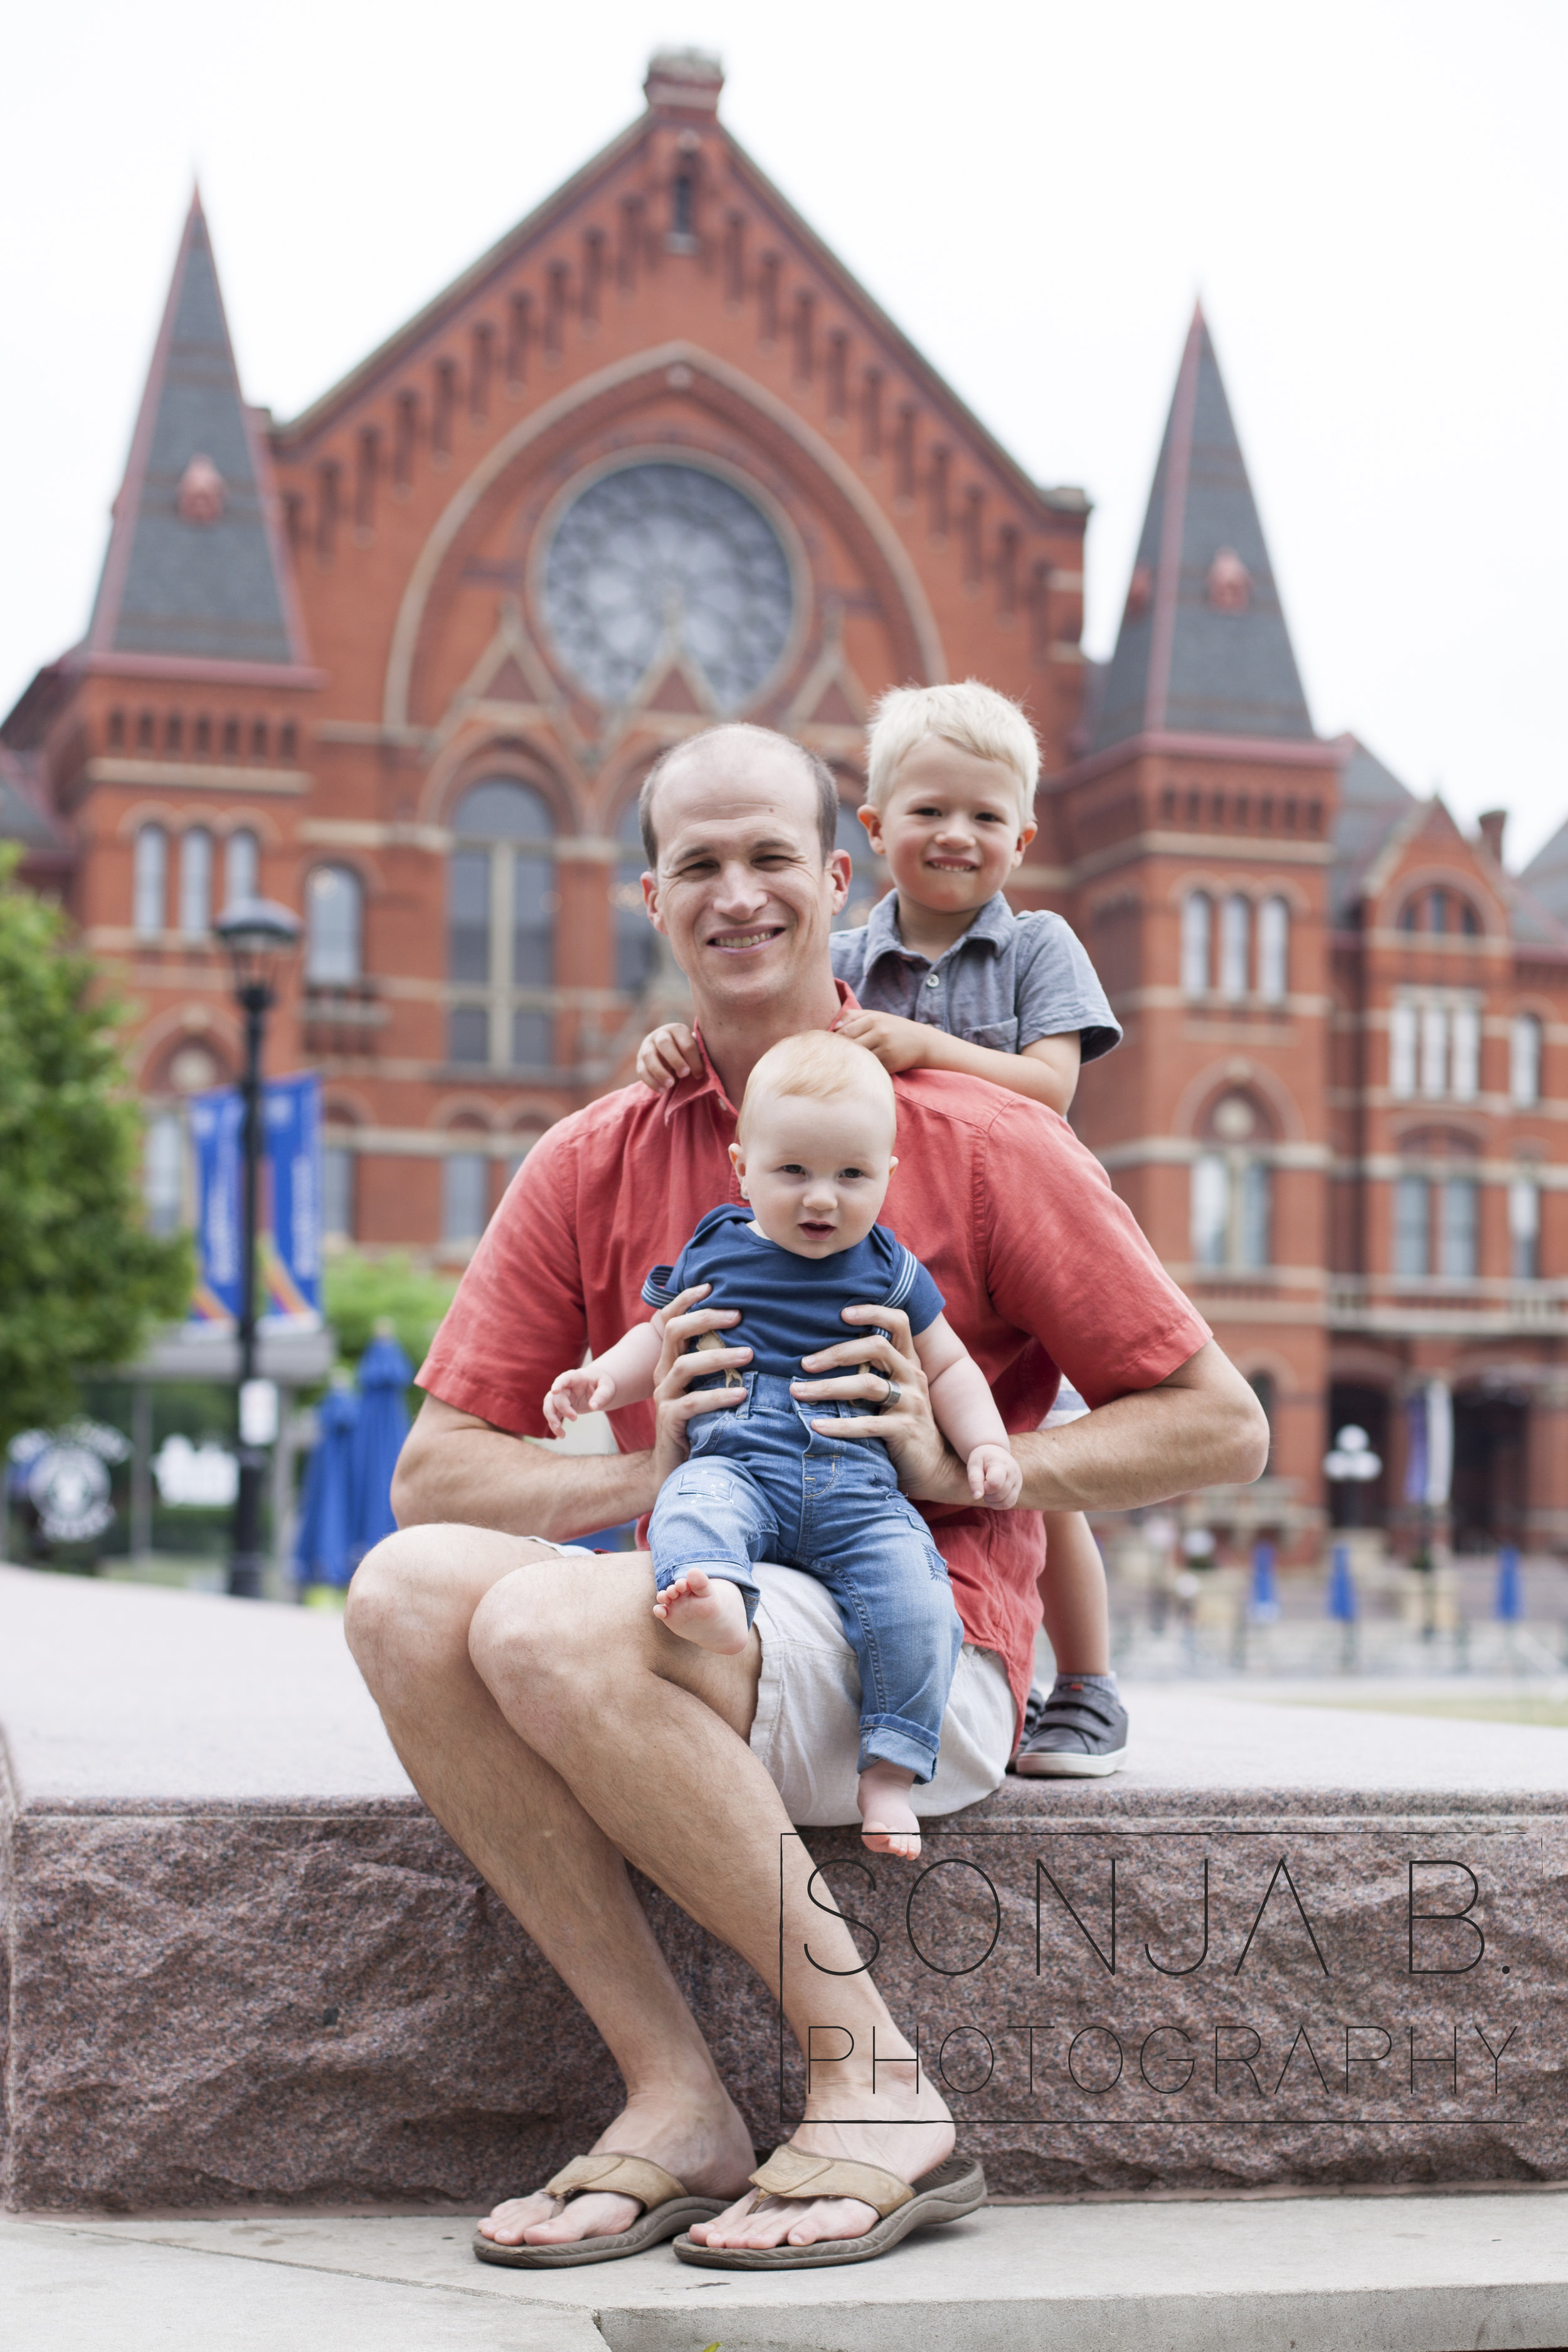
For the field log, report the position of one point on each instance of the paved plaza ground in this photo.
(1315, 2274)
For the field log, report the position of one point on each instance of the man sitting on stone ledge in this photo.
(556, 1730)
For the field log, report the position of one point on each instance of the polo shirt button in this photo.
(933, 980)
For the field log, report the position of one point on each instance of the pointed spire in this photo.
(196, 568)
(1203, 647)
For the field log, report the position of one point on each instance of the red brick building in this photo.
(657, 459)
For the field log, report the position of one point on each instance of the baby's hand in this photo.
(587, 1389)
(996, 1479)
(898, 1044)
(668, 1055)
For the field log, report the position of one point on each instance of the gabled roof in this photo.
(1203, 648)
(664, 103)
(196, 566)
(1546, 876)
(1372, 801)
(25, 815)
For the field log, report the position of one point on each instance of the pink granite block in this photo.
(245, 1966)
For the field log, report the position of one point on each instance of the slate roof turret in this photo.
(196, 567)
(1203, 647)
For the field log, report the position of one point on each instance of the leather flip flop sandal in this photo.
(946, 2193)
(668, 2208)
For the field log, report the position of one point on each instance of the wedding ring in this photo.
(894, 1394)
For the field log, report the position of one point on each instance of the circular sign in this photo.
(665, 558)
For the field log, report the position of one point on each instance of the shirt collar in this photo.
(996, 924)
(692, 1090)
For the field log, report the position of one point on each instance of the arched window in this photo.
(1524, 1229)
(1254, 1239)
(334, 927)
(1273, 950)
(865, 880)
(636, 941)
(339, 1170)
(1433, 1049)
(1412, 1224)
(1442, 913)
(1211, 1209)
(241, 868)
(1458, 1236)
(197, 880)
(1232, 1197)
(464, 1196)
(150, 888)
(164, 1172)
(501, 908)
(1403, 1029)
(1234, 938)
(1524, 1059)
(1197, 922)
(1465, 1066)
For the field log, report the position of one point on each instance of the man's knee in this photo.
(541, 1631)
(416, 1592)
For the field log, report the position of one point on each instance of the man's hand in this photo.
(666, 1055)
(674, 1398)
(996, 1479)
(897, 1044)
(587, 1389)
(864, 1368)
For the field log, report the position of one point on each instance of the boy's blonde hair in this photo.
(817, 1064)
(975, 718)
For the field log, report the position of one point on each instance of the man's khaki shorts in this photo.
(806, 1730)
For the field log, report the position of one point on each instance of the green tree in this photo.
(82, 1282)
(361, 1292)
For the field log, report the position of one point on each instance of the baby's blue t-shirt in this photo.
(793, 1307)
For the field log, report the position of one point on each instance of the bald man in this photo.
(554, 1727)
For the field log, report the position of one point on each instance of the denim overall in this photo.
(762, 1485)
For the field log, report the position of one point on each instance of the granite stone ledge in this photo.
(245, 1966)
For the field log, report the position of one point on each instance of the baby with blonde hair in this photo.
(772, 1476)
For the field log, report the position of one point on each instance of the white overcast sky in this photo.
(1370, 197)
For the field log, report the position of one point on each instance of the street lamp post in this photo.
(258, 935)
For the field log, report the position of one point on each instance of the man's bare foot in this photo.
(914, 2132)
(887, 1823)
(701, 2140)
(708, 1609)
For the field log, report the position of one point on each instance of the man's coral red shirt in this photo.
(1040, 1265)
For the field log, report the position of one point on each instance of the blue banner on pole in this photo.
(288, 1216)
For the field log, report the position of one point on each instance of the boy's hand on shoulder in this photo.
(996, 1479)
(898, 1044)
(666, 1055)
(587, 1389)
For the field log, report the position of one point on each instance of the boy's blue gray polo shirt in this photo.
(1008, 981)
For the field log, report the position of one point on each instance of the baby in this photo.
(776, 1479)
(948, 978)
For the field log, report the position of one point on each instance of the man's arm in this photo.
(457, 1468)
(1200, 1426)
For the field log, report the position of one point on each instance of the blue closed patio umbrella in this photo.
(1510, 1586)
(324, 1548)
(1263, 1603)
(385, 1372)
(1341, 1587)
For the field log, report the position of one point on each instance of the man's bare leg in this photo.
(679, 1792)
(409, 1613)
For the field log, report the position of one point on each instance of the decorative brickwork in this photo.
(403, 663)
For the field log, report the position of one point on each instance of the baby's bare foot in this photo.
(887, 1823)
(707, 1610)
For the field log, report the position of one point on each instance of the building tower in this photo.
(1196, 827)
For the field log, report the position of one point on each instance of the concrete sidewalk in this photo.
(1375, 2274)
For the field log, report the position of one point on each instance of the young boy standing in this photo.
(947, 977)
